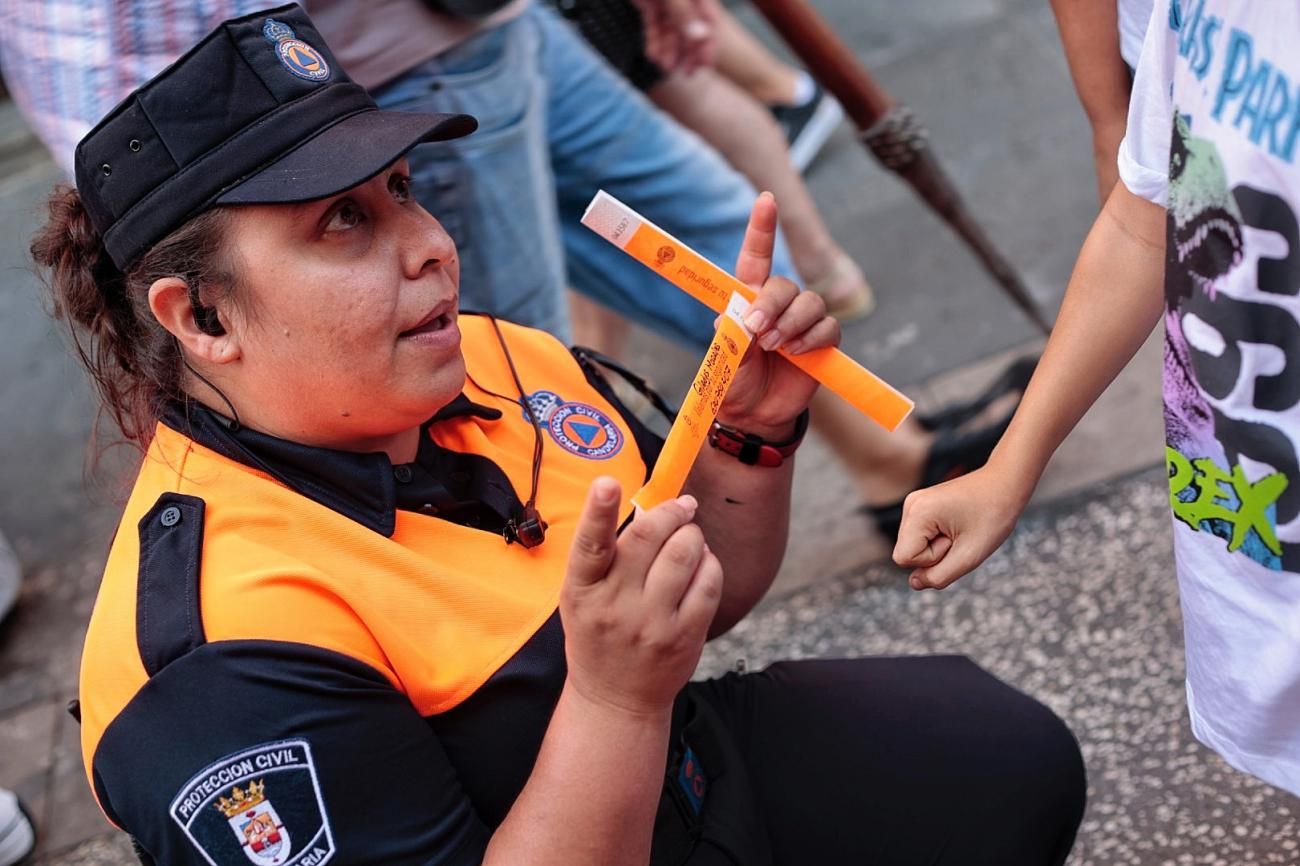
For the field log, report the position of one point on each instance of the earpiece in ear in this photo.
(206, 319)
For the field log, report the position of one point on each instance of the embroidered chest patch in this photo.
(264, 803)
(578, 428)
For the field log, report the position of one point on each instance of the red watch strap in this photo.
(754, 450)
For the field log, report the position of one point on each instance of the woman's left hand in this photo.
(769, 392)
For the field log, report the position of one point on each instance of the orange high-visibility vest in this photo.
(436, 608)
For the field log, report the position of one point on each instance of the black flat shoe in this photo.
(954, 453)
(1015, 377)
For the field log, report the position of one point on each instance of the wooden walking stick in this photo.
(891, 132)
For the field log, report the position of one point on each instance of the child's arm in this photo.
(1114, 299)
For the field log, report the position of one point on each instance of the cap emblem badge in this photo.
(295, 55)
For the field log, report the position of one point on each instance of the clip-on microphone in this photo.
(529, 530)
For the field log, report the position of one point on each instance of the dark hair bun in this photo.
(135, 363)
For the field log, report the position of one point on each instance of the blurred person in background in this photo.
(807, 114)
(1103, 41)
(680, 63)
(695, 60)
(557, 124)
(17, 835)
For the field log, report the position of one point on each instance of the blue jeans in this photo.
(555, 125)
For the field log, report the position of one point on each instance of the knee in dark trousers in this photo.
(906, 760)
(1035, 784)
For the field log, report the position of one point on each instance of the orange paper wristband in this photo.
(699, 408)
(712, 286)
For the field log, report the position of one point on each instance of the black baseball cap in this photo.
(258, 112)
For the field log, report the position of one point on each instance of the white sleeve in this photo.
(1144, 152)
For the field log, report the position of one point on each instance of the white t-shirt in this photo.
(1133, 18)
(1214, 136)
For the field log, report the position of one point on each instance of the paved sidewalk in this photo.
(1080, 609)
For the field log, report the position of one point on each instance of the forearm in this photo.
(1090, 36)
(745, 515)
(1114, 299)
(592, 796)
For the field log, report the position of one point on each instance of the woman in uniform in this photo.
(369, 601)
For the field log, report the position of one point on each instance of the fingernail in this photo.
(697, 29)
(688, 502)
(755, 320)
(793, 347)
(605, 492)
(770, 340)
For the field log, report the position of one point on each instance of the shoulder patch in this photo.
(262, 805)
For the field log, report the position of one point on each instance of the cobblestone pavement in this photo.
(1079, 609)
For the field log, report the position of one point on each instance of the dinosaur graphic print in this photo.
(1230, 470)
(1203, 241)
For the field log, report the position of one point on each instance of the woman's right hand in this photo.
(636, 608)
(949, 529)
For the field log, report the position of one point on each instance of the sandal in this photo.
(954, 453)
(1015, 377)
(859, 303)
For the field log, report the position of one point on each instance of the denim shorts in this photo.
(556, 124)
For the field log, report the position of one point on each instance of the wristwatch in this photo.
(755, 450)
